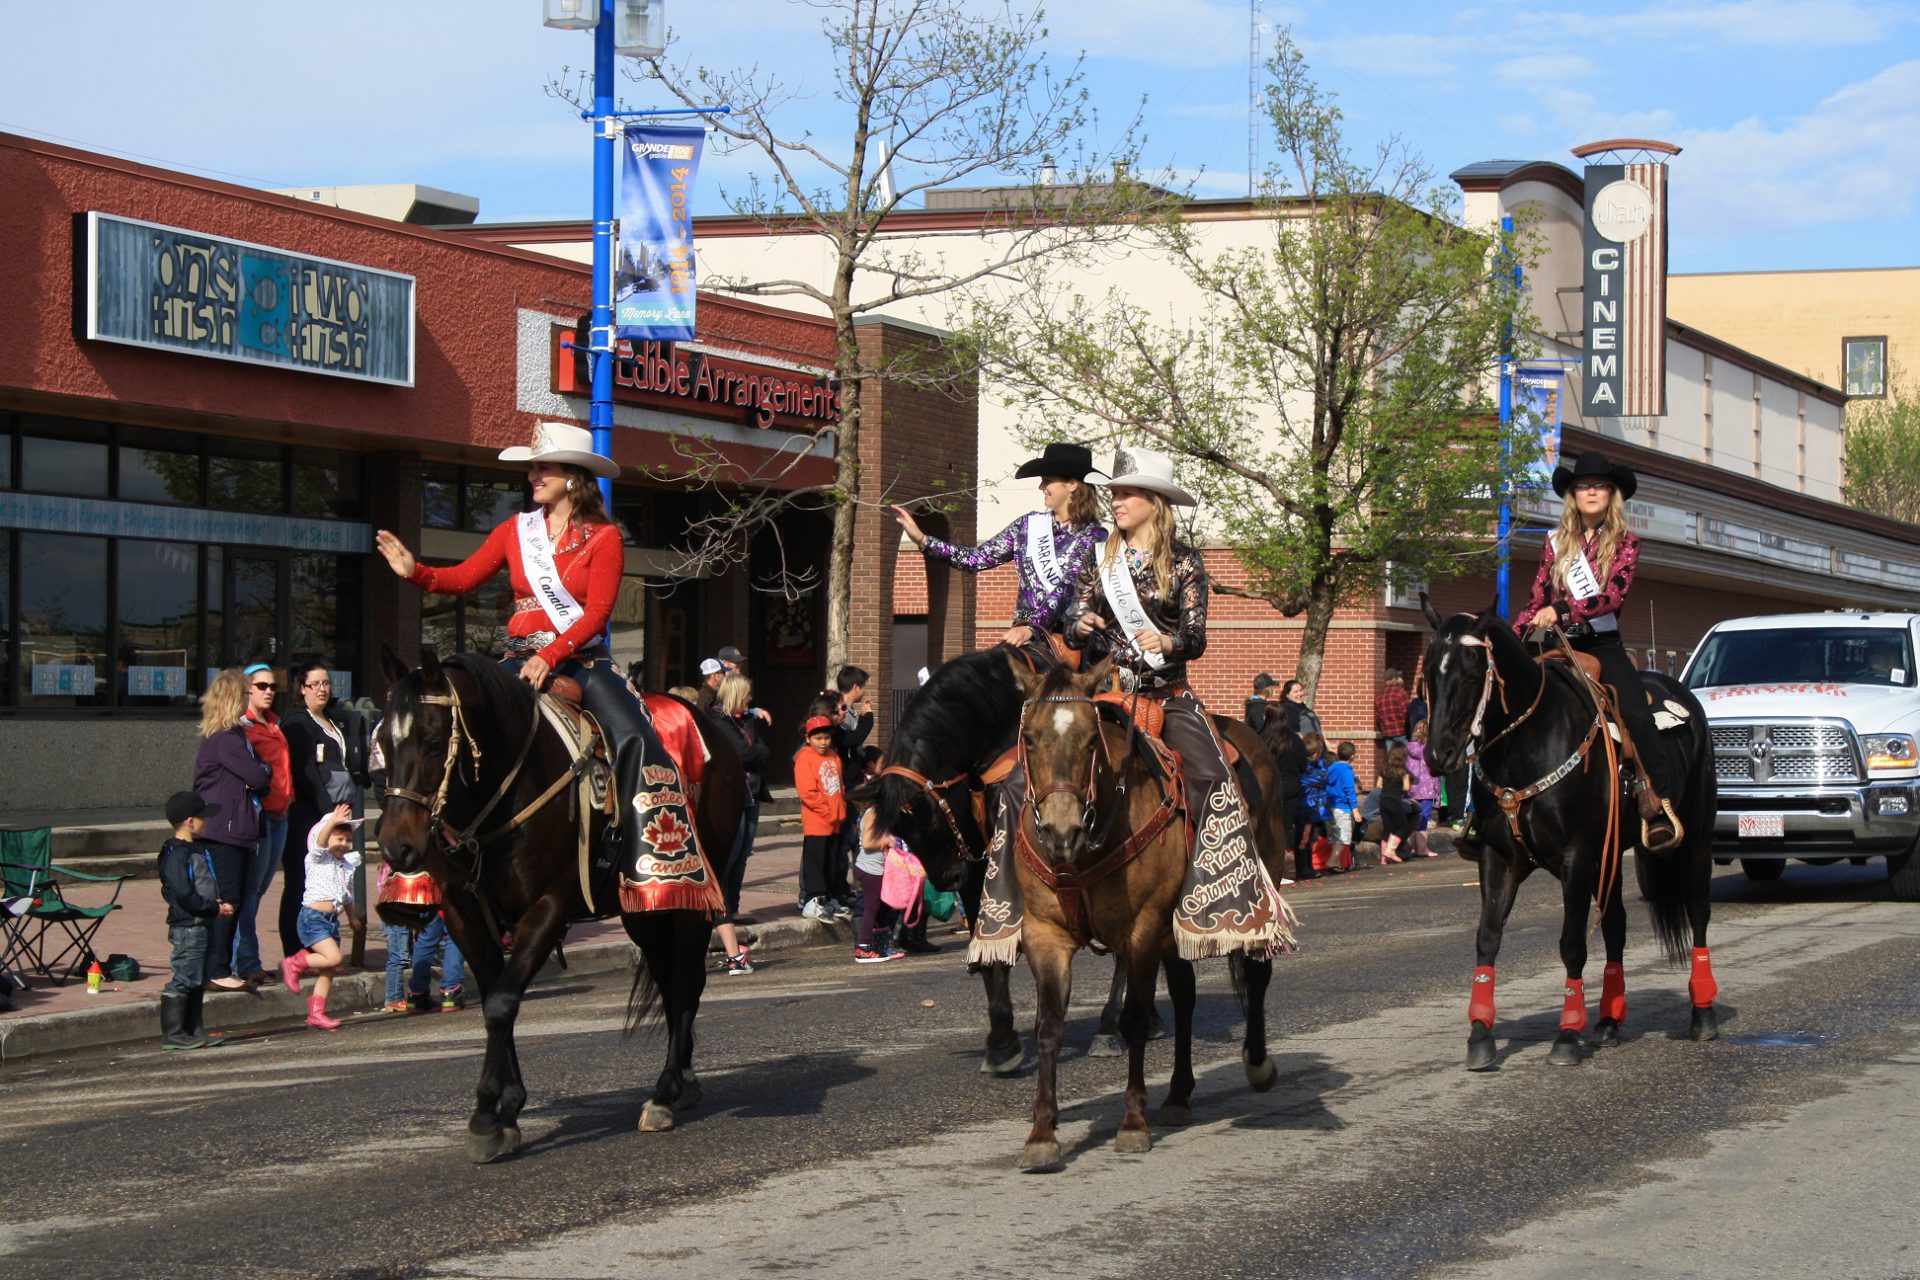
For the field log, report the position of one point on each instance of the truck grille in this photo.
(1814, 752)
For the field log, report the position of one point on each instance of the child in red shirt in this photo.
(823, 811)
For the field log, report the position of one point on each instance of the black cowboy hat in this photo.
(1069, 461)
(1595, 463)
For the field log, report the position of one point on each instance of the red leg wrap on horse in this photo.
(1480, 1006)
(1573, 1009)
(1701, 985)
(1613, 994)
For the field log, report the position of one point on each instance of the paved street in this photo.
(847, 1131)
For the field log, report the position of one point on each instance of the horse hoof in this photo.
(1706, 1024)
(1606, 1034)
(1566, 1050)
(655, 1118)
(1262, 1074)
(1002, 1062)
(1173, 1115)
(1041, 1157)
(1133, 1142)
(1107, 1045)
(1480, 1048)
(485, 1148)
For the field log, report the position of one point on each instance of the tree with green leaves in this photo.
(1330, 395)
(927, 94)
(1883, 451)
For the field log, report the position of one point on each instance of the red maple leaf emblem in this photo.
(666, 834)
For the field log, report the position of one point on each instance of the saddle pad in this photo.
(679, 733)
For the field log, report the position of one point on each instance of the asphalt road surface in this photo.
(847, 1131)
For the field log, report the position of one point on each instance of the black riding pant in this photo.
(1617, 669)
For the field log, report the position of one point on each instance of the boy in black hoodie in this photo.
(192, 895)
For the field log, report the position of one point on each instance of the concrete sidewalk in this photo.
(51, 1017)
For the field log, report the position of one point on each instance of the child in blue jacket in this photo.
(192, 894)
(1310, 817)
(1343, 800)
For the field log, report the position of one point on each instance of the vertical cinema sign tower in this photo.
(1624, 370)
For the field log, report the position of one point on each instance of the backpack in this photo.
(902, 882)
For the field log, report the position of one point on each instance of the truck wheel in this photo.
(1763, 868)
(1903, 875)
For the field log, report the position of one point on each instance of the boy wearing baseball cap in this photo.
(192, 895)
(823, 811)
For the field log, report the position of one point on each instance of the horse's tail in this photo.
(643, 1001)
(1663, 883)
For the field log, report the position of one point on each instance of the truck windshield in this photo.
(1797, 655)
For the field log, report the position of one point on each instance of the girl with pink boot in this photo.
(331, 859)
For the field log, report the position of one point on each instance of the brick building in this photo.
(211, 396)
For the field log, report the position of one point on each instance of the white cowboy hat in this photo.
(562, 442)
(1144, 469)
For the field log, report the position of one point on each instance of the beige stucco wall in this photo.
(1798, 318)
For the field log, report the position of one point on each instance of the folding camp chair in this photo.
(13, 935)
(26, 858)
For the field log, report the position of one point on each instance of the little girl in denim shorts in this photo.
(331, 859)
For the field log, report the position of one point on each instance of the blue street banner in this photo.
(653, 276)
(1536, 404)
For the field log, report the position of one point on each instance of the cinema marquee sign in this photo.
(666, 375)
(1625, 304)
(170, 289)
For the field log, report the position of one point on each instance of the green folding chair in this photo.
(26, 858)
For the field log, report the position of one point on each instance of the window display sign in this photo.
(155, 682)
(63, 680)
(163, 287)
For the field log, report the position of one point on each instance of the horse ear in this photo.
(429, 667)
(1098, 674)
(1433, 614)
(1028, 679)
(1493, 608)
(390, 664)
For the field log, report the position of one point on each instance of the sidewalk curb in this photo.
(364, 992)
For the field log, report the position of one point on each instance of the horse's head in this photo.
(1458, 658)
(414, 736)
(1061, 746)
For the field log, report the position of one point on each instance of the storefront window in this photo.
(474, 623)
(440, 624)
(6, 617)
(440, 497)
(159, 466)
(74, 463)
(216, 610)
(6, 453)
(491, 500)
(243, 476)
(326, 484)
(63, 658)
(326, 599)
(158, 646)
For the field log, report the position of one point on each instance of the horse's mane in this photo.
(965, 694)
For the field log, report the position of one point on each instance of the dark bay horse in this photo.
(467, 754)
(1533, 729)
(1105, 860)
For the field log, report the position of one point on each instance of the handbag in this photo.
(901, 881)
(940, 903)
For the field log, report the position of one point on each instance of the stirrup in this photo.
(1647, 841)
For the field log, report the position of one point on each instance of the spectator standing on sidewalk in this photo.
(850, 734)
(1311, 815)
(823, 813)
(317, 747)
(1417, 710)
(1396, 805)
(1300, 717)
(263, 734)
(1390, 711)
(1260, 705)
(331, 859)
(191, 891)
(874, 943)
(229, 776)
(1343, 805)
(711, 674)
(1425, 791)
(732, 710)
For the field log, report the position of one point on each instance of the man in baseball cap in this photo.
(732, 658)
(712, 672)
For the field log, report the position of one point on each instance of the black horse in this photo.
(481, 795)
(1532, 727)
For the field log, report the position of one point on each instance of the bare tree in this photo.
(930, 93)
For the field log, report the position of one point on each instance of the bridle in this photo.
(934, 791)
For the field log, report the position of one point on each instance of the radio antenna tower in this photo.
(1253, 93)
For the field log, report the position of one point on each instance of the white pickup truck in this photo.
(1814, 719)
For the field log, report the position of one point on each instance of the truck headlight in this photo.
(1890, 751)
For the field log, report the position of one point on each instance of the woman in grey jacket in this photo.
(228, 774)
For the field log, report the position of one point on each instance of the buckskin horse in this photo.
(1105, 859)
(482, 795)
(1549, 793)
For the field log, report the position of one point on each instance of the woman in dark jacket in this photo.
(318, 749)
(227, 773)
(731, 707)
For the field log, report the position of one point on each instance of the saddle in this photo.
(564, 706)
(1667, 714)
(1151, 719)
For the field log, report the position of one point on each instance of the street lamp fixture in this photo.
(572, 15)
(640, 28)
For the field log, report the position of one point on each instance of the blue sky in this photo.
(1799, 119)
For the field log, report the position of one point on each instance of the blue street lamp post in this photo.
(1503, 586)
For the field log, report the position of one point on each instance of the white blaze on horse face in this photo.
(1062, 720)
(402, 725)
(1473, 642)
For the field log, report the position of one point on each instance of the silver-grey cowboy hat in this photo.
(1135, 468)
